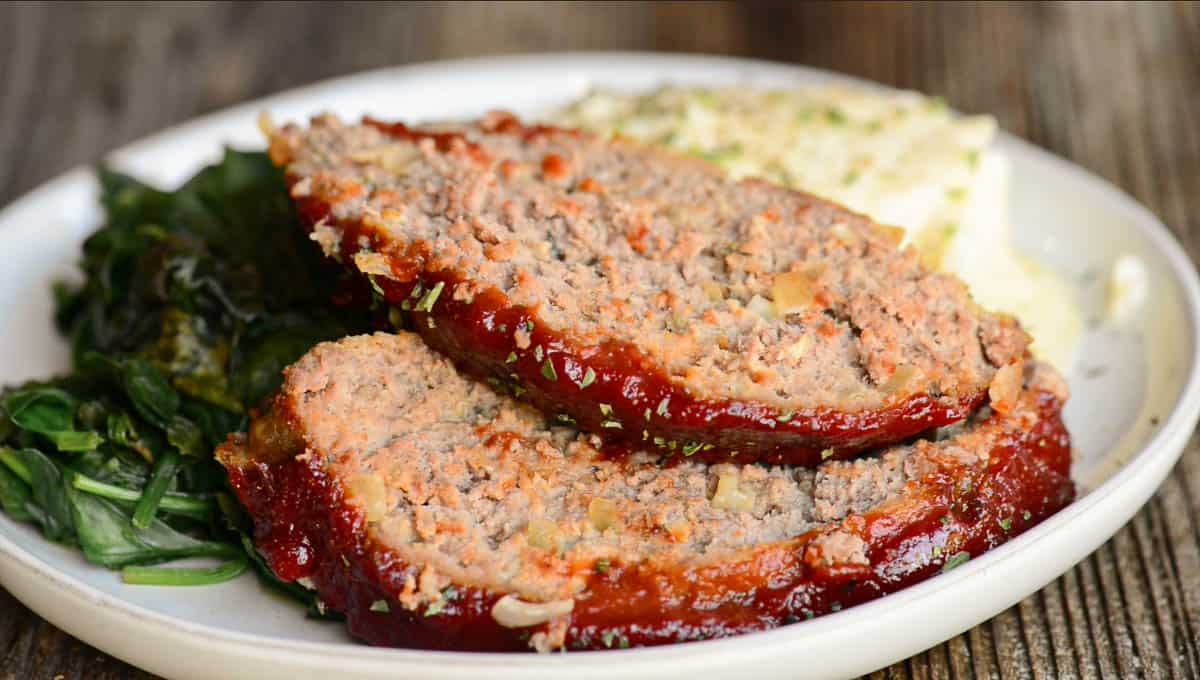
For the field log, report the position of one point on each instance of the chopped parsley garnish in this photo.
(612, 424)
(605, 409)
(426, 302)
(1026, 515)
(511, 358)
(1006, 523)
(691, 447)
(835, 607)
(608, 637)
(548, 371)
(662, 407)
(956, 560)
(436, 608)
(380, 607)
(564, 418)
(603, 565)
(589, 377)
(827, 453)
(945, 520)
(835, 116)
(785, 416)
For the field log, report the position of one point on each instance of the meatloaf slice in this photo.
(436, 513)
(643, 295)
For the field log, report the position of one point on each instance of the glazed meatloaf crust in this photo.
(437, 513)
(646, 297)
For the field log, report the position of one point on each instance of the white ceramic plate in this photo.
(1130, 421)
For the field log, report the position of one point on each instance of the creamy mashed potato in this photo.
(900, 157)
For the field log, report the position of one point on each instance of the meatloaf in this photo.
(644, 296)
(437, 513)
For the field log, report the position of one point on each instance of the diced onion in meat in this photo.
(513, 613)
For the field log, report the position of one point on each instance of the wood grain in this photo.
(1114, 87)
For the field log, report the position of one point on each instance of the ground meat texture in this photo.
(437, 513)
(644, 296)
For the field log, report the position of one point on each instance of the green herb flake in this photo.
(511, 358)
(611, 424)
(589, 377)
(381, 607)
(662, 407)
(835, 116)
(826, 454)
(956, 560)
(548, 371)
(602, 565)
(608, 637)
(785, 416)
(564, 418)
(606, 410)
(395, 318)
(945, 520)
(660, 441)
(691, 447)
(436, 607)
(1006, 523)
(427, 301)
(1026, 515)
(835, 607)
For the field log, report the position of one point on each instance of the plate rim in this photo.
(1156, 457)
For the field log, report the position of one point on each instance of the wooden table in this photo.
(1113, 87)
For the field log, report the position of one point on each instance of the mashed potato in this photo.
(900, 157)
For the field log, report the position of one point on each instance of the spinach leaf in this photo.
(50, 509)
(192, 303)
(149, 392)
(49, 412)
(15, 497)
(108, 537)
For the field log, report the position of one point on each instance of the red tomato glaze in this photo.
(304, 528)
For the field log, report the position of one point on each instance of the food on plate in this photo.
(437, 513)
(900, 157)
(645, 296)
(190, 304)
